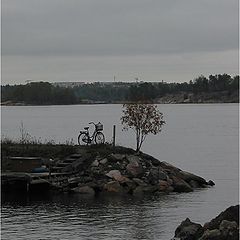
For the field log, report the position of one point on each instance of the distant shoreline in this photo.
(37, 105)
(221, 88)
(14, 104)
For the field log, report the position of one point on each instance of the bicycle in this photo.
(98, 137)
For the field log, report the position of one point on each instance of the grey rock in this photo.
(150, 161)
(139, 182)
(210, 183)
(187, 177)
(116, 175)
(134, 170)
(229, 229)
(74, 180)
(194, 184)
(162, 175)
(169, 166)
(214, 234)
(145, 189)
(118, 157)
(103, 161)
(153, 175)
(133, 159)
(230, 214)
(129, 186)
(169, 189)
(163, 186)
(113, 187)
(180, 185)
(95, 163)
(188, 230)
(84, 190)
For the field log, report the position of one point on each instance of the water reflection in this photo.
(104, 217)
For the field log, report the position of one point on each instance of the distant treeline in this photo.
(45, 93)
(213, 84)
(39, 93)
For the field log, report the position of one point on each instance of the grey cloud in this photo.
(171, 68)
(107, 27)
(93, 40)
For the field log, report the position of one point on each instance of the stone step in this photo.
(75, 156)
(69, 160)
(63, 164)
(56, 169)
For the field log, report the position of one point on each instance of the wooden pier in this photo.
(34, 182)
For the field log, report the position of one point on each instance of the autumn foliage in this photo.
(143, 119)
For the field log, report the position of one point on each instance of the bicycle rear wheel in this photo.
(99, 138)
(83, 139)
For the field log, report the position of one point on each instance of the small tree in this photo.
(143, 119)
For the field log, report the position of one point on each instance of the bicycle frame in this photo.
(90, 138)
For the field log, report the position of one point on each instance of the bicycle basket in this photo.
(99, 127)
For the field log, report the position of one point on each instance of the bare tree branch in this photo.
(143, 119)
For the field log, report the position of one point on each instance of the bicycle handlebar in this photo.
(92, 123)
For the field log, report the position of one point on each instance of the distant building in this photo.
(68, 84)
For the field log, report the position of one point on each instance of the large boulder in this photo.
(229, 230)
(188, 230)
(162, 175)
(116, 175)
(180, 185)
(139, 182)
(84, 190)
(224, 227)
(103, 161)
(134, 168)
(113, 187)
(163, 186)
(211, 183)
(139, 190)
(133, 159)
(187, 177)
(150, 161)
(153, 176)
(230, 214)
(214, 234)
(82, 163)
(117, 157)
(156, 174)
(167, 166)
(95, 163)
(194, 184)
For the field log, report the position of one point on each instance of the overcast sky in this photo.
(95, 40)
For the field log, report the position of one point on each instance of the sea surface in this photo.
(200, 138)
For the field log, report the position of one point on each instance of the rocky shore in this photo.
(204, 97)
(224, 227)
(119, 170)
(94, 170)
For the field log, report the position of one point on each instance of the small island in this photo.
(91, 170)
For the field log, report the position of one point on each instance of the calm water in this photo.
(202, 139)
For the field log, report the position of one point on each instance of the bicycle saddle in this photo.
(86, 128)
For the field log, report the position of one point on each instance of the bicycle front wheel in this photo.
(82, 139)
(99, 138)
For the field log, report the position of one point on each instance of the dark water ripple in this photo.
(71, 217)
(202, 139)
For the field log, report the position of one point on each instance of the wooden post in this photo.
(114, 135)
